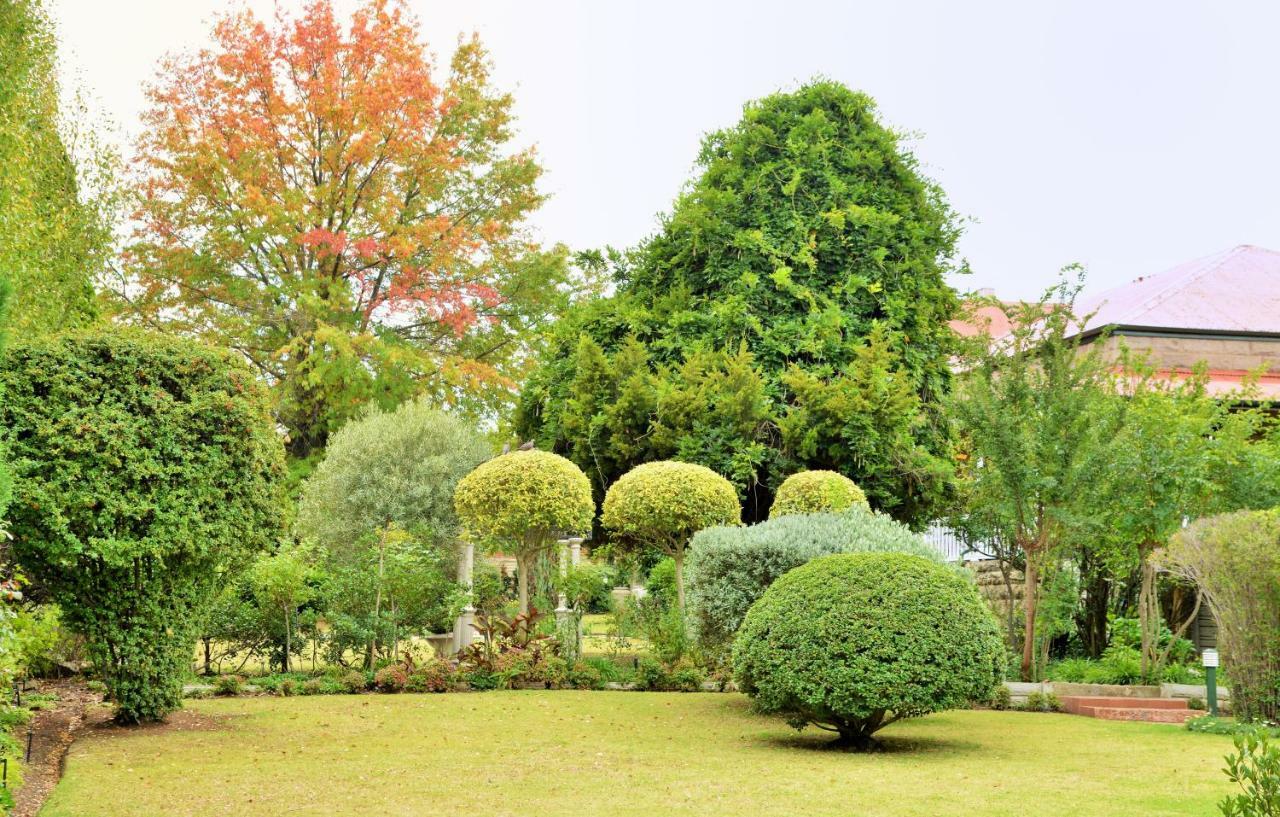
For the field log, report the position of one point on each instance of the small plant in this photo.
(434, 676)
(354, 681)
(197, 693)
(651, 676)
(585, 676)
(313, 686)
(288, 687)
(1255, 768)
(1195, 703)
(1210, 725)
(1042, 702)
(1001, 698)
(390, 679)
(228, 685)
(686, 677)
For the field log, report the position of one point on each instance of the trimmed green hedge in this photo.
(854, 642)
(729, 568)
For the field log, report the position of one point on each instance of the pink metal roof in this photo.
(1237, 290)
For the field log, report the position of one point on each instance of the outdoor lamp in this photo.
(1209, 659)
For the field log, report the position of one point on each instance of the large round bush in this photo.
(816, 492)
(730, 567)
(520, 502)
(661, 505)
(854, 642)
(147, 471)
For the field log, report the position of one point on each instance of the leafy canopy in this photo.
(854, 642)
(792, 312)
(321, 199)
(816, 492)
(147, 472)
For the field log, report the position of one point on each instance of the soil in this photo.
(52, 731)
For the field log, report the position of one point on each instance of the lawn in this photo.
(617, 753)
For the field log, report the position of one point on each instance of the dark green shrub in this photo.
(228, 685)
(147, 469)
(729, 568)
(854, 642)
(481, 679)
(1255, 768)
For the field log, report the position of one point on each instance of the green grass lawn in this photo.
(618, 753)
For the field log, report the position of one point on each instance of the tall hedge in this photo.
(730, 567)
(854, 642)
(147, 470)
(791, 313)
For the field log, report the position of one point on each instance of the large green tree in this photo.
(791, 312)
(147, 472)
(52, 238)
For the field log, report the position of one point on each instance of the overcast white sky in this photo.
(1128, 136)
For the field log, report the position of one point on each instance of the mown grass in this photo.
(617, 753)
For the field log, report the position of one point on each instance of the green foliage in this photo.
(660, 505)
(520, 502)
(228, 685)
(823, 314)
(730, 568)
(1234, 560)
(816, 492)
(1001, 698)
(1042, 702)
(853, 642)
(55, 192)
(1255, 768)
(147, 470)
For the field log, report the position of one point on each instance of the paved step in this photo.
(1133, 713)
(1075, 703)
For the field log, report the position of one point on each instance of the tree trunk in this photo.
(1093, 621)
(288, 645)
(678, 556)
(208, 655)
(523, 565)
(1029, 599)
(1148, 614)
(377, 600)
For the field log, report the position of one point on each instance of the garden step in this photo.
(1133, 713)
(1075, 703)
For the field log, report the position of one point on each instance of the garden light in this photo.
(1209, 659)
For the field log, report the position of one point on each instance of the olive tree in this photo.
(147, 472)
(817, 492)
(661, 505)
(854, 642)
(380, 502)
(523, 501)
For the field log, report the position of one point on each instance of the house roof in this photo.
(1235, 291)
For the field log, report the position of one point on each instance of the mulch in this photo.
(52, 732)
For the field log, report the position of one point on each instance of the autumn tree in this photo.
(323, 199)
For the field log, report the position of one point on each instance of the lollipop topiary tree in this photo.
(817, 492)
(661, 505)
(523, 501)
(853, 642)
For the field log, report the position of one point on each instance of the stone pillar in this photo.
(463, 632)
(562, 609)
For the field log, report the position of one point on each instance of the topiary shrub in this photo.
(854, 642)
(729, 568)
(661, 505)
(520, 502)
(817, 492)
(147, 471)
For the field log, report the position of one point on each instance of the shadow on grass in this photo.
(815, 740)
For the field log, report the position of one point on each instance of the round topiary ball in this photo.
(817, 492)
(661, 505)
(854, 642)
(520, 502)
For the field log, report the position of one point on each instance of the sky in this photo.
(1125, 136)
